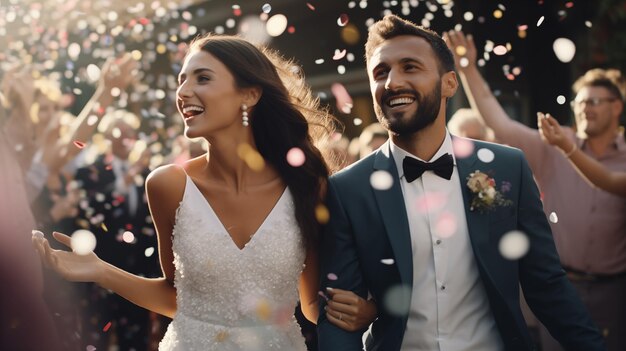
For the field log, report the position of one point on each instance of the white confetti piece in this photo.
(514, 245)
(83, 242)
(553, 217)
(485, 155)
(381, 180)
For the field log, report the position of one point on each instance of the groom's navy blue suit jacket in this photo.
(368, 225)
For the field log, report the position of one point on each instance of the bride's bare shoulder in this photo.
(171, 179)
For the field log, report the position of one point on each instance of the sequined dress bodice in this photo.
(231, 299)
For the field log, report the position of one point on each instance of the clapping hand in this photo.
(552, 133)
(118, 73)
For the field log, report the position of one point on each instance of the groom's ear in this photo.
(449, 84)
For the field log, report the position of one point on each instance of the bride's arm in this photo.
(309, 284)
(164, 189)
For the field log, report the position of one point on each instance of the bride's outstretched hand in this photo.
(68, 264)
(349, 311)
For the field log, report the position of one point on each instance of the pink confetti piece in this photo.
(322, 294)
(500, 50)
(106, 327)
(79, 144)
(339, 54)
(332, 276)
(295, 157)
(311, 7)
(344, 101)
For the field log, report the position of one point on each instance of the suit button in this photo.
(443, 287)
(438, 241)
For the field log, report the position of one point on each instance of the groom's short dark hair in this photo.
(392, 26)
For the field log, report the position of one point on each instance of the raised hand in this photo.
(349, 311)
(71, 266)
(552, 133)
(18, 86)
(462, 46)
(118, 73)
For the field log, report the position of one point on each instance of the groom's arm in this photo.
(339, 259)
(546, 288)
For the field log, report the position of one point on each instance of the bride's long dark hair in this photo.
(286, 116)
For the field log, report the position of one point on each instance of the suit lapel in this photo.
(477, 222)
(391, 205)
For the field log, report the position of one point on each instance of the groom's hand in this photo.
(349, 311)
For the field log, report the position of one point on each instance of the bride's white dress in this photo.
(230, 299)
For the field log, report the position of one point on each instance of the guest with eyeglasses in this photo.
(588, 223)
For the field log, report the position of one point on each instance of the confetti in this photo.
(276, 25)
(79, 144)
(128, 237)
(331, 276)
(342, 20)
(397, 300)
(83, 242)
(500, 50)
(106, 327)
(514, 245)
(149, 252)
(311, 7)
(485, 155)
(339, 54)
(560, 100)
(267, 8)
(460, 50)
(322, 294)
(564, 49)
(343, 100)
(381, 180)
(554, 218)
(387, 261)
(322, 214)
(295, 157)
(432, 201)
(446, 225)
(540, 21)
(462, 147)
(90, 348)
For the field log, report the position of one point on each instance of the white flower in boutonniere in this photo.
(486, 197)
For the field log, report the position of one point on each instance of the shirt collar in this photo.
(399, 154)
(619, 143)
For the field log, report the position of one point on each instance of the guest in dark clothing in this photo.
(115, 211)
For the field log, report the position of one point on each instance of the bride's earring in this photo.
(244, 115)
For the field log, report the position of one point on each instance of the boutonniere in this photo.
(486, 197)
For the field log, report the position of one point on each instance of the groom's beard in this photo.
(428, 107)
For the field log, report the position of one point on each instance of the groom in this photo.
(441, 246)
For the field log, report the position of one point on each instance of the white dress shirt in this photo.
(449, 308)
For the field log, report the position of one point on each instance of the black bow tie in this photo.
(414, 168)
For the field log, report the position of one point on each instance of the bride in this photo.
(237, 227)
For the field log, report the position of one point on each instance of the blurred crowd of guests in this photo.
(65, 173)
(61, 172)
